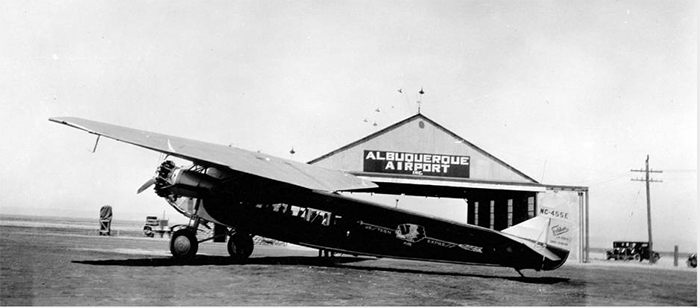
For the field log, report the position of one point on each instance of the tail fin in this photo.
(541, 232)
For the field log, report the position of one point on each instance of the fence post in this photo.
(675, 255)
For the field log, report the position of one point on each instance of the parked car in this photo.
(692, 261)
(632, 251)
(154, 225)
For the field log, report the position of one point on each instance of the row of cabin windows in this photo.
(310, 215)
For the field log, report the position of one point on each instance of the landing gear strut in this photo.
(521, 274)
(183, 242)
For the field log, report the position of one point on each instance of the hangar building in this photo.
(419, 157)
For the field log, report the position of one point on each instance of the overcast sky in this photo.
(568, 92)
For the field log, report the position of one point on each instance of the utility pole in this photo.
(648, 180)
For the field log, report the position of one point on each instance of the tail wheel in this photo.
(240, 246)
(183, 244)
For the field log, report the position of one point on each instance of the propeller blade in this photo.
(146, 185)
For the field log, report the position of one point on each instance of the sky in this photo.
(568, 92)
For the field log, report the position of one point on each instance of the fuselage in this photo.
(339, 223)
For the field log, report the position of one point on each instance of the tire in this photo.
(240, 247)
(148, 231)
(655, 258)
(637, 257)
(184, 245)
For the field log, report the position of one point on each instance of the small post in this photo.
(675, 255)
(466, 211)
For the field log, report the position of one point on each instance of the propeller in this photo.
(146, 185)
(162, 172)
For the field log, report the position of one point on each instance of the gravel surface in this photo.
(49, 267)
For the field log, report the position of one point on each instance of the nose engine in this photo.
(192, 182)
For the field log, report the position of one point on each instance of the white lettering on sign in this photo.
(417, 163)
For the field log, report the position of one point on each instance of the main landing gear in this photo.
(240, 246)
(186, 190)
(184, 244)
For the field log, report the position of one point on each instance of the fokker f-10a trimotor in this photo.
(251, 193)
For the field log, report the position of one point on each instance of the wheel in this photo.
(240, 246)
(148, 231)
(655, 258)
(183, 244)
(637, 257)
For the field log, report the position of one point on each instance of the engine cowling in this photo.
(173, 180)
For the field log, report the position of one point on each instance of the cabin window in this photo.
(303, 213)
(294, 210)
(476, 213)
(316, 217)
(530, 207)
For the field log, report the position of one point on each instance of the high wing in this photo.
(258, 164)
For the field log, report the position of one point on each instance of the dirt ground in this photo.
(39, 267)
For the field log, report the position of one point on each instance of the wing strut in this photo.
(96, 141)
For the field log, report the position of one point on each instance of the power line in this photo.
(682, 170)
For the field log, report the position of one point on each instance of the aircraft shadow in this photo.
(337, 262)
(224, 260)
(538, 280)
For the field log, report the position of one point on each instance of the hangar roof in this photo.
(419, 156)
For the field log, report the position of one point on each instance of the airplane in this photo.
(246, 193)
